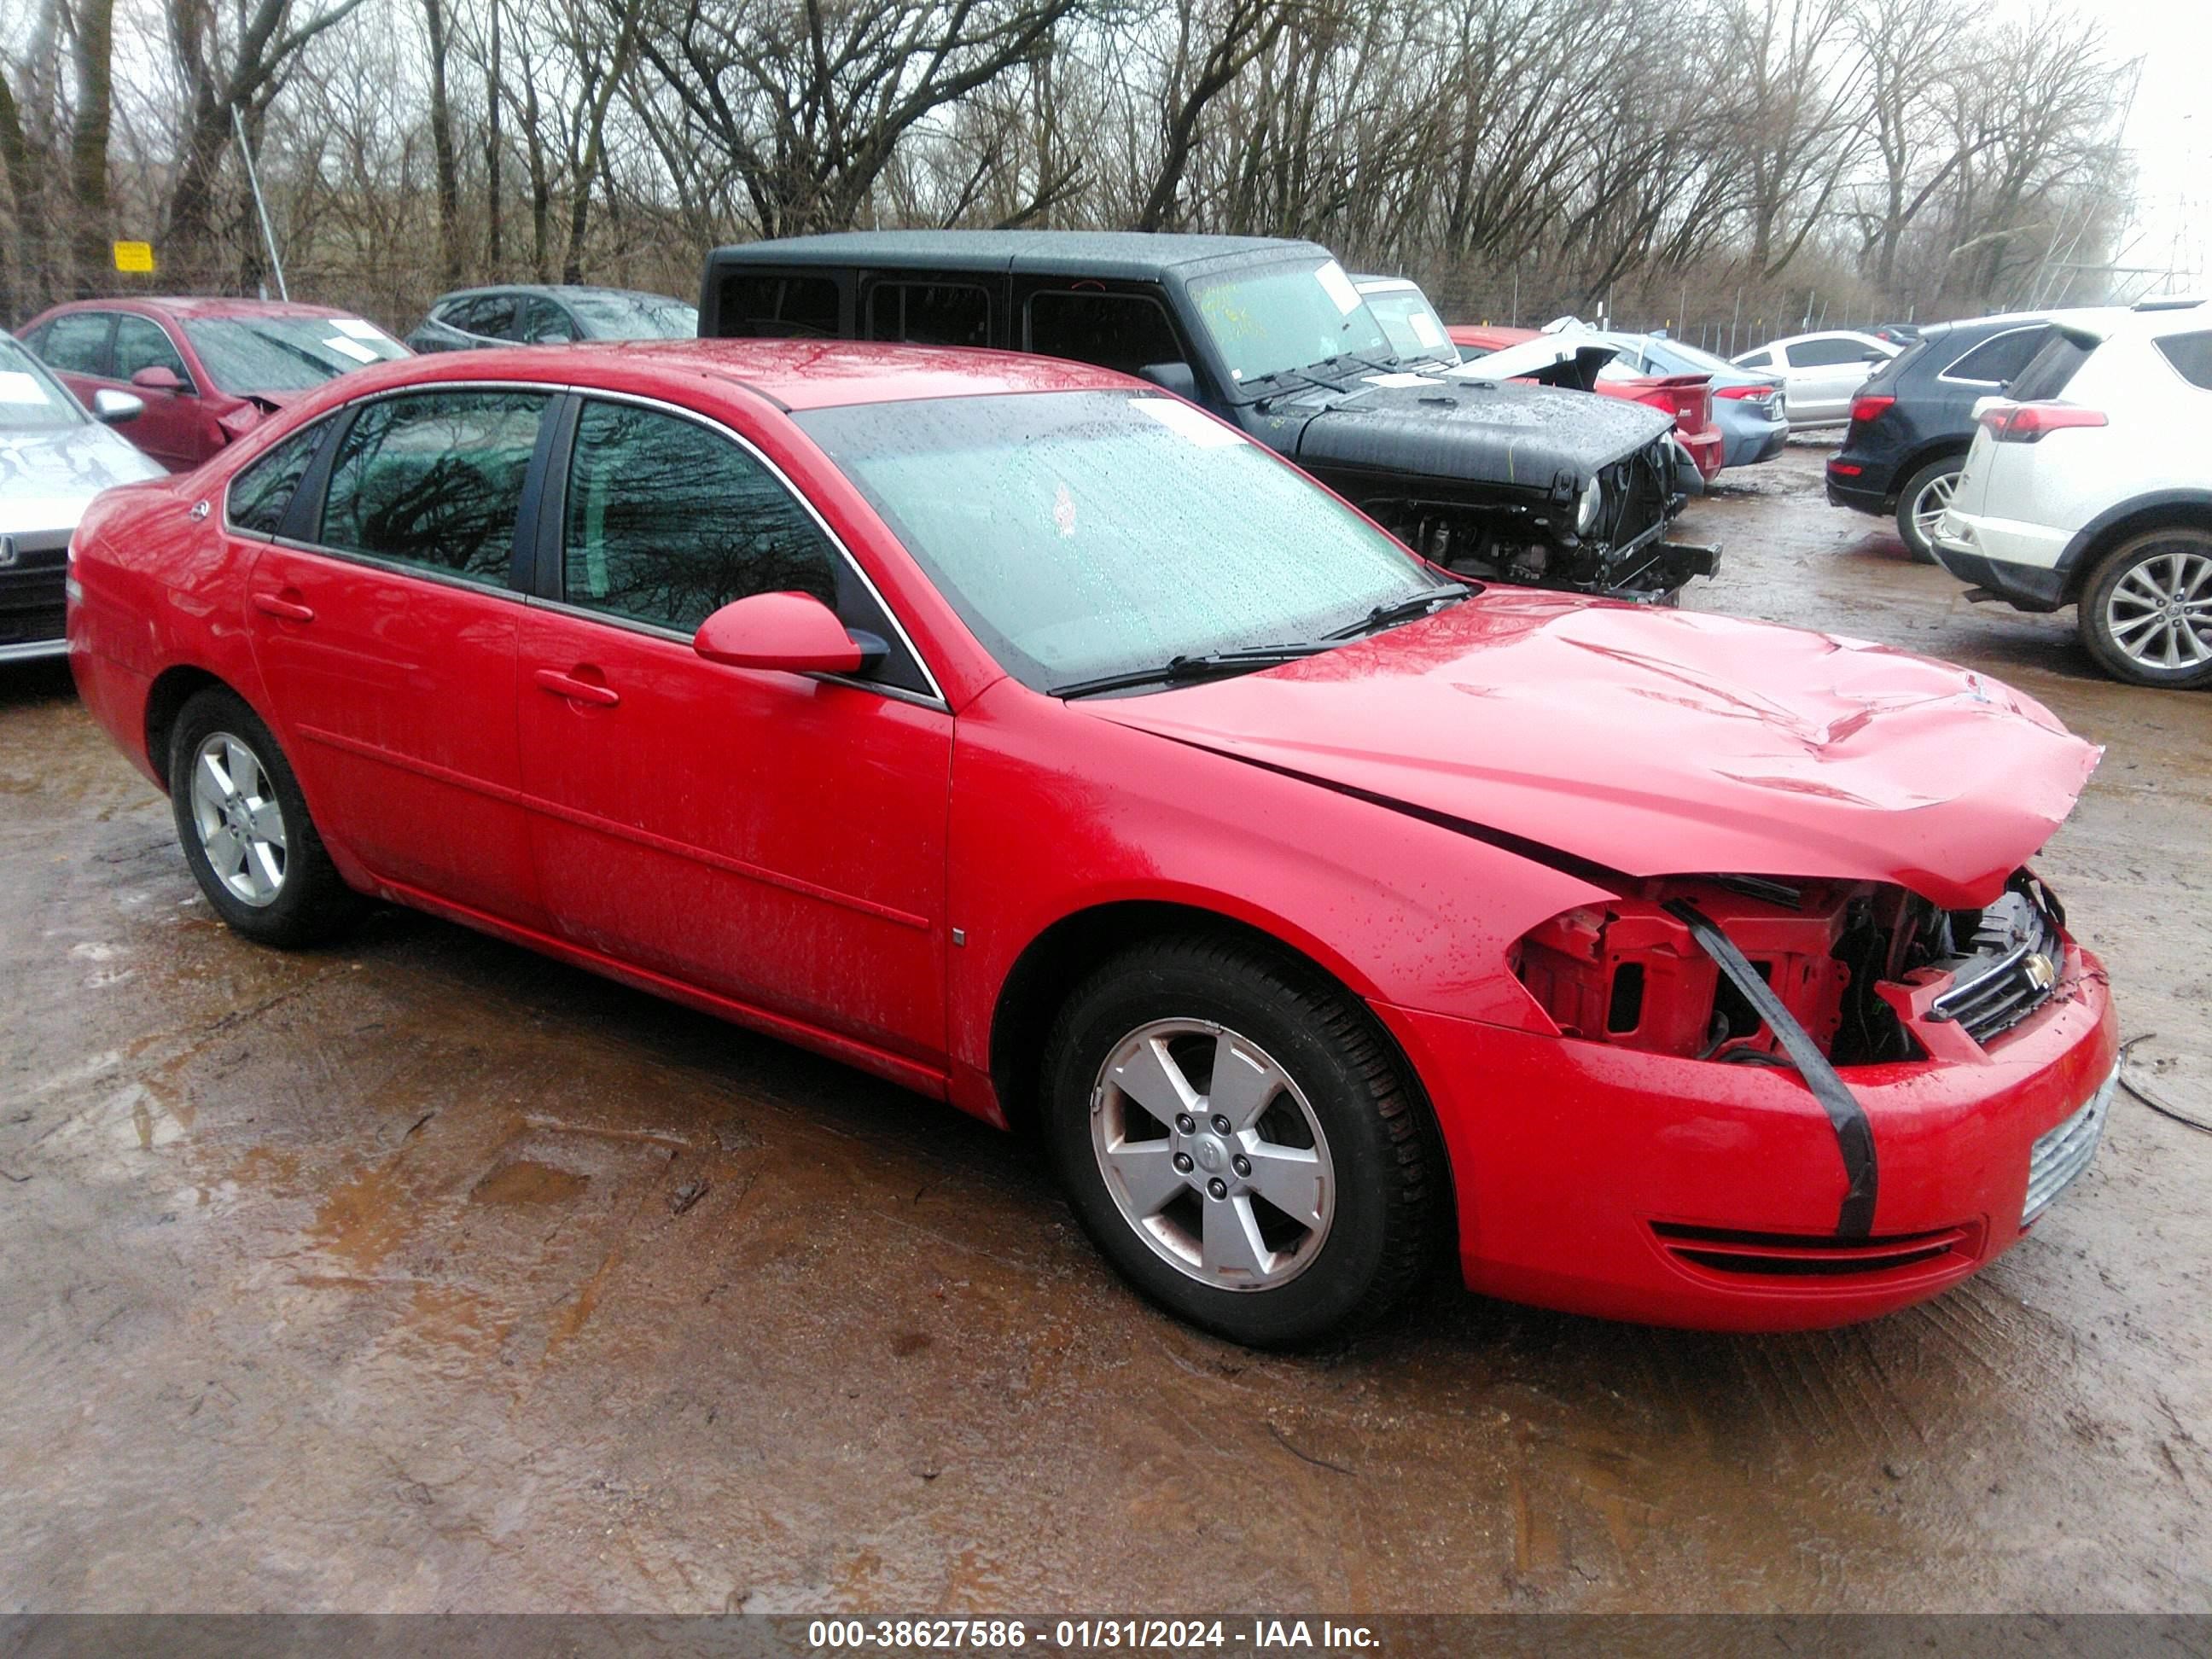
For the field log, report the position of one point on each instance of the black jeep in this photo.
(1513, 483)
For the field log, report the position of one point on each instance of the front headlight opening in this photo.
(1592, 503)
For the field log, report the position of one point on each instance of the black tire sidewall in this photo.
(1338, 1288)
(313, 902)
(2091, 622)
(1954, 464)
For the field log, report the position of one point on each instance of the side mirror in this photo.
(1176, 377)
(793, 632)
(113, 407)
(154, 377)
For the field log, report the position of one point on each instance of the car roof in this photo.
(1100, 252)
(556, 291)
(205, 304)
(795, 374)
(1384, 284)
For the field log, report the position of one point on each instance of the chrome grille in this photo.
(2010, 970)
(2062, 1154)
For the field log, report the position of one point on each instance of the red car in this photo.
(1687, 397)
(1025, 736)
(209, 371)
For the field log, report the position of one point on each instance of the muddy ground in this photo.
(423, 1274)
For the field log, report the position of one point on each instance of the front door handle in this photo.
(275, 605)
(559, 684)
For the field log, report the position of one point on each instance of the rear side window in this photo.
(929, 314)
(668, 520)
(2190, 355)
(1124, 332)
(1999, 359)
(766, 305)
(435, 480)
(260, 496)
(140, 343)
(2050, 371)
(76, 342)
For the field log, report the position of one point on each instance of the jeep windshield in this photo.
(1273, 322)
(1093, 536)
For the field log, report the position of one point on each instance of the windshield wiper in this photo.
(1404, 610)
(1177, 670)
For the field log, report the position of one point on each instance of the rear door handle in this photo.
(287, 610)
(559, 684)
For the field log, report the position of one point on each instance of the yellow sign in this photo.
(134, 256)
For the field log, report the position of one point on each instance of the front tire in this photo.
(1238, 1140)
(2146, 614)
(1921, 501)
(246, 831)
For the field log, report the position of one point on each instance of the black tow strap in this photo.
(1854, 1134)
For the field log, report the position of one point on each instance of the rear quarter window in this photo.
(2190, 355)
(259, 497)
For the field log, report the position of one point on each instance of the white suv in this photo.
(2090, 483)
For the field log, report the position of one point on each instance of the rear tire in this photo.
(246, 831)
(1921, 501)
(2148, 599)
(1322, 1118)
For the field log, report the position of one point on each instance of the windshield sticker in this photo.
(1186, 422)
(1063, 511)
(18, 387)
(1402, 378)
(1338, 287)
(353, 349)
(356, 328)
(1425, 329)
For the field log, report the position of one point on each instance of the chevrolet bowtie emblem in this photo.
(2042, 973)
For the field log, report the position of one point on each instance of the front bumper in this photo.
(31, 597)
(1606, 1180)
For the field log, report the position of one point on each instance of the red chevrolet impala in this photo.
(1017, 733)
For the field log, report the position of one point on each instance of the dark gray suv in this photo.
(520, 314)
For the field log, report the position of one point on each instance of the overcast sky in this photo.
(2169, 130)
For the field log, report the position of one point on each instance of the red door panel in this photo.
(394, 695)
(768, 837)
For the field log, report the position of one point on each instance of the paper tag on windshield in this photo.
(1425, 329)
(353, 349)
(17, 387)
(1338, 286)
(1188, 423)
(356, 328)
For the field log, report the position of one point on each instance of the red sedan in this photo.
(1021, 734)
(1687, 399)
(208, 371)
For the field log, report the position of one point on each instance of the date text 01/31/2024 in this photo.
(1088, 1635)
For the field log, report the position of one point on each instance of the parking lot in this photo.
(425, 1273)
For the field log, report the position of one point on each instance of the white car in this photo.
(2090, 483)
(1820, 372)
(1409, 322)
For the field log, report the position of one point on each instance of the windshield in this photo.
(32, 400)
(1410, 323)
(1286, 316)
(1081, 534)
(285, 354)
(635, 316)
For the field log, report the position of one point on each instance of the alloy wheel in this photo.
(241, 827)
(1212, 1154)
(2160, 613)
(1928, 506)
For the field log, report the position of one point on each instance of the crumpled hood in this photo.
(48, 476)
(1656, 742)
(1525, 436)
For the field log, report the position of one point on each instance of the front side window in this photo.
(1998, 358)
(610, 314)
(1286, 316)
(1829, 354)
(260, 496)
(435, 479)
(929, 314)
(285, 354)
(1087, 533)
(31, 399)
(769, 306)
(668, 520)
(1121, 331)
(141, 343)
(76, 343)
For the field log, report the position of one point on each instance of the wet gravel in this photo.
(425, 1274)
